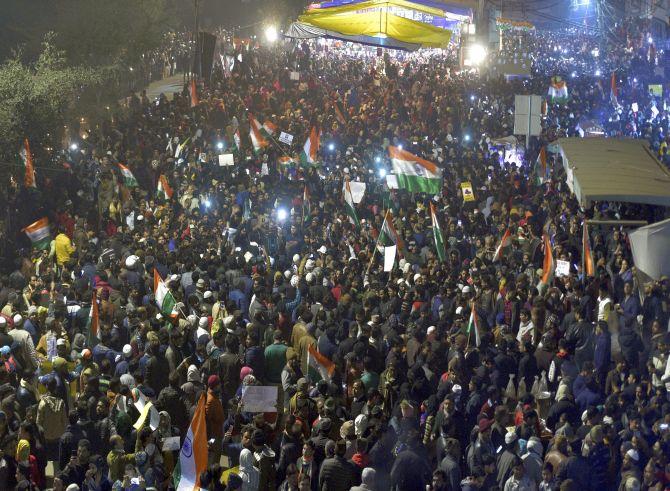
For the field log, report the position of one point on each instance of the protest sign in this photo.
(259, 399)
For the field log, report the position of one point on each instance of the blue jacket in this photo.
(603, 351)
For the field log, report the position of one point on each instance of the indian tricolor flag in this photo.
(285, 160)
(319, 367)
(237, 145)
(27, 156)
(437, 234)
(558, 91)
(128, 177)
(257, 139)
(414, 173)
(39, 233)
(193, 90)
(94, 319)
(473, 325)
(388, 234)
(193, 454)
(164, 190)
(504, 242)
(309, 151)
(164, 299)
(548, 264)
(588, 267)
(349, 205)
(269, 128)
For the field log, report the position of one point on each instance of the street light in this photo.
(477, 54)
(271, 34)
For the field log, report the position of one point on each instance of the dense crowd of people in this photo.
(558, 385)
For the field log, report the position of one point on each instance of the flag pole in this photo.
(374, 251)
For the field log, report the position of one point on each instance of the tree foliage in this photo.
(38, 100)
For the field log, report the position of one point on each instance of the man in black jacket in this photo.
(337, 473)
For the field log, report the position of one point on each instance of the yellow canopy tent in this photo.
(380, 19)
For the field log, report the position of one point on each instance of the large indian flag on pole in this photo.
(319, 366)
(309, 151)
(388, 234)
(128, 177)
(349, 205)
(27, 156)
(193, 454)
(437, 234)
(39, 233)
(257, 139)
(164, 299)
(504, 242)
(548, 262)
(415, 174)
(541, 168)
(164, 190)
(558, 91)
(269, 128)
(473, 325)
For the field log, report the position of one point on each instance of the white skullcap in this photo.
(18, 319)
(203, 322)
(207, 294)
(309, 277)
(466, 289)
(287, 274)
(633, 454)
(296, 258)
(416, 277)
(127, 350)
(309, 264)
(322, 249)
(459, 310)
(294, 281)
(131, 261)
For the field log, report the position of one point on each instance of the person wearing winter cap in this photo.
(215, 418)
(24, 351)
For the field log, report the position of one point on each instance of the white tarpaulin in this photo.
(614, 169)
(650, 246)
(389, 258)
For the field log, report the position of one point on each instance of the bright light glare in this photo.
(219, 145)
(650, 40)
(74, 147)
(573, 74)
(208, 203)
(271, 34)
(477, 54)
(466, 138)
(400, 146)
(382, 173)
(597, 73)
(331, 146)
(282, 214)
(472, 98)
(378, 159)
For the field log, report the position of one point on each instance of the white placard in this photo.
(286, 138)
(562, 268)
(294, 76)
(389, 257)
(226, 159)
(259, 399)
(357, 190)
(392, 181)
(171, 444)
(202, 157)
(264, 169)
